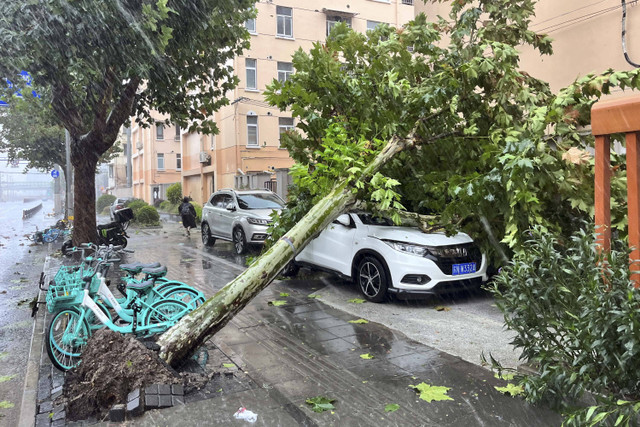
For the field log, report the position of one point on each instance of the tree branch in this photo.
(66, 109)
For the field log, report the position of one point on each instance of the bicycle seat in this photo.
(140, 286)
(136, 267)
(155, 272)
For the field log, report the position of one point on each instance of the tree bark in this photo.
(188, 334)
(84, 193)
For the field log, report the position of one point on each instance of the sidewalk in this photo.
(304, 349)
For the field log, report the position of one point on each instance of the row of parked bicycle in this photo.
(82, 302)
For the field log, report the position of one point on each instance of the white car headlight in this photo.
(258, 221)
(407, 247)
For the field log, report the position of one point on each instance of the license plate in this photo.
(466, 268)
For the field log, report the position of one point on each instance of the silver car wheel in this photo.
(369, 279)
(239, 241)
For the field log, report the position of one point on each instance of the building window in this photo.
(178, 161)
(284, 21)
(252, 73)
(160, 161)
(333, 20)
(110, 171)
(409, 2)
(252, 131)
(284, 124)
(159, 131)
(177, 136)
(285, 69)
(250, 25)
(371, 25)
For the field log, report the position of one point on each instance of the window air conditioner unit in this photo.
(205, 157)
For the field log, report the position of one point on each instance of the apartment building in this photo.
(587, 37)
(247, 152)
(156, 159)
(118, 183)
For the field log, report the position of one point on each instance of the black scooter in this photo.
(113, 233)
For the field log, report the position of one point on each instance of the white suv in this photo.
(241, 217)
(386, 259)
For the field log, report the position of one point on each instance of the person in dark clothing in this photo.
(188, 214)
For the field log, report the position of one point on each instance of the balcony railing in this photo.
(608, 118)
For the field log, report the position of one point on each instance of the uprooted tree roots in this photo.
(112, 366)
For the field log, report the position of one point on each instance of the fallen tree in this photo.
(217, 311)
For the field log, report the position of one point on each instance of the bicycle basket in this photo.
(62, 295)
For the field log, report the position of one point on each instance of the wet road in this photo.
(20, 265)
(464, 325)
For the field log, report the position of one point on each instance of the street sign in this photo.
(55, 173)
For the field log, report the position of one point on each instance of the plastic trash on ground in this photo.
(245, 414)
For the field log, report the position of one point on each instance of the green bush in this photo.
(174, 193)
(104, 201)
(167, 206)
(106, 210)
(198, 208)
(135, 206)
(147, 215)
(578, 323)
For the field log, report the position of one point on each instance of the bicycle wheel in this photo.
(66, 338)
(51, 235)
(187, 295)
(163, 314)
(168, 285)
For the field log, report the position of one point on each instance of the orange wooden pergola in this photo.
(607, 118)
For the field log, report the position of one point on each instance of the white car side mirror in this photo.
(344, 219)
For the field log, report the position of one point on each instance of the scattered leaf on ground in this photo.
(366, 356)
(3, 355)
(391, 407)
(284, 294)
(313, 296)
(359, 321)
(277, 303)
(5, 378)
(442, 308)
(229, 365)
(511, 389)
(5, 404)
(16, 281)
(188, 260)
(432, 392)
(504, 376)
(320, 404)
(356, 300)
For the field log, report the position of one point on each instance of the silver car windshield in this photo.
(259, 201)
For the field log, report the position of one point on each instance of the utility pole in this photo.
(68, 176)
(128, 154)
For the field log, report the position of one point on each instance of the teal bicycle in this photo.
(71, 327)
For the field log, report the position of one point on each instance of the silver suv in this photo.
(241, 217)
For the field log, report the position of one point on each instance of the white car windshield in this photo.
(369, 219)
(259, 201)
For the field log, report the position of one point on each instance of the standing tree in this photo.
(436, 116)
(103, 62)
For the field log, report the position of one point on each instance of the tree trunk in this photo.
(183, 338)
(84, 196)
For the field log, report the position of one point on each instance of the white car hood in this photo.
(415, 236)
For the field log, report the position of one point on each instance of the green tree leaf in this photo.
(432, 393)
(391, 407)
(320, 404)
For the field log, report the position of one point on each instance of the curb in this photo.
(30, 391)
